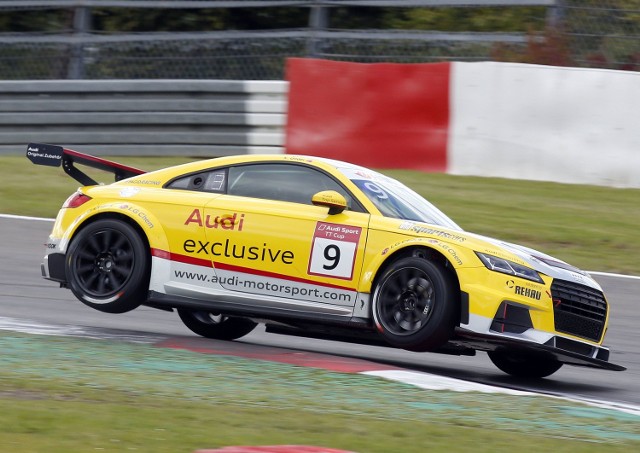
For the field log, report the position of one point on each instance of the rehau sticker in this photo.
(333, 251)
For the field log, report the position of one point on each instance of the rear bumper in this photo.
(53, 267)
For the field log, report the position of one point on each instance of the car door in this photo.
(266, 238)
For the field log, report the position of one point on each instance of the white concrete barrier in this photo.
(546, 123)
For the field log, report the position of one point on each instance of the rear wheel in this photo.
(107, 266)
(415, 304)
(524, 365)
(214, 325)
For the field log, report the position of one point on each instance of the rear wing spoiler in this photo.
(55, 156)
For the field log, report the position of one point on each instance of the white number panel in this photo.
(333, 251)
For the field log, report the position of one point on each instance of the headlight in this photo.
(494, 263)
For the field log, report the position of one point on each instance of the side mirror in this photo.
(331, 199)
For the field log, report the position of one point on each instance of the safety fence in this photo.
(215, 39)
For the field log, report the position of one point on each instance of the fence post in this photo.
(557, 14)
(81, 26)
(318, 21)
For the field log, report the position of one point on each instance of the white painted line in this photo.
(21, 217)
(434, 382)
(37, 328)
(607, 274)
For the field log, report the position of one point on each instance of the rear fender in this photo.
(147, 222)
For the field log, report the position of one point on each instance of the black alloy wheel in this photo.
(524, 365)
(107, 266)
(214, 325)
(415, 304)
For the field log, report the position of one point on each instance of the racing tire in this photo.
(415, 305)
(107, 266)
(524, 365)
(214, 325)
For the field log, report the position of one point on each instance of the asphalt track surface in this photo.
(25, 296)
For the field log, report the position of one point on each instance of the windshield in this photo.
(394, 199)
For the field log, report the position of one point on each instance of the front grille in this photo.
(578, 310)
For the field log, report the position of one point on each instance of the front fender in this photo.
(457, 255)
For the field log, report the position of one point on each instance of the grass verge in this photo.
(595, 228)
(69, 395)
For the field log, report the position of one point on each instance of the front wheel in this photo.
(107, 266)
(214, 325)
(415, 304)
(524, 365)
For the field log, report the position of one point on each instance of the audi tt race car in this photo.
(320, 248)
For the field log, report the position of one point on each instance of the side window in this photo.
(210, 181)
(284, 182)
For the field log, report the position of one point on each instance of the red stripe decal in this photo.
(181, 258)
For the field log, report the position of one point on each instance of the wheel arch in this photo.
(147, 225)
(416, 249)
(422, 250)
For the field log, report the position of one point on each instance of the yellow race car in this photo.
(315, 247)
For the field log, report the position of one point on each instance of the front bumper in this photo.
(557, 348)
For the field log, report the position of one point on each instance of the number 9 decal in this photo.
(331, 254)
(377, 191)
(333, 250)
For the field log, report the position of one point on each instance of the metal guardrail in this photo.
(145, 117)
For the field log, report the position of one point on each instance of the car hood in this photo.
(542, 262)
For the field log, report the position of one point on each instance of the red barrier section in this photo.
(381, 115)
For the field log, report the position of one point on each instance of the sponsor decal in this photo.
(228, 249)
(226, 221)
(149, 182)
(141, 214)
(451, 252)
(129, 192)
(398, 244)
(298, 159)
(333, 250)
(524, 291)
(363, 175)
(50, 245)
(246, 283)
(35, 152)
(411, 226)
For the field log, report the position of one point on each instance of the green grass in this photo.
(69, 395)
(595, 228)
